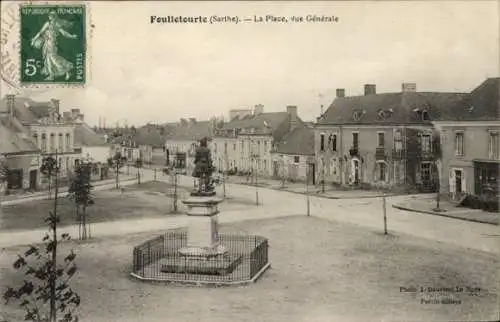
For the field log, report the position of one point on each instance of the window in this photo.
(493, 146)
(425, 172)
(234, 146)
(397, 171)
(68, 141)
(52, 142)
(296, 159)
(225, 148)
(381, 139)
(35, 139)
(215, 148)
(398, 140)
(67, 163)
(242, 146)
(61, 143)
(426, 143)
(425, 116)
(265, 146)
(355, 140)
(265, 164)
(459, 143)
(333, 141)
(382, 171)
(44, 142)
(322, 142)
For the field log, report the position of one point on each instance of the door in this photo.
(356, 171)
(33, 179)
(311, 175)
(458, 181)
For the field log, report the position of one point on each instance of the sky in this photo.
(143, 72)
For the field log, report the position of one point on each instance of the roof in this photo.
(194, 131)
(390, 108)
(263, 123)
(85, 136)
(482, 104)
(27, 110)
(300, 141)
(14, 140)
(149, 135)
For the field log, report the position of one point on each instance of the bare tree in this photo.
(80, 192)
(117, 162)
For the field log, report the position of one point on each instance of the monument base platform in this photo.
(202, 252)
(213, 265)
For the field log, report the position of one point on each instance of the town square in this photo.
(184, 193)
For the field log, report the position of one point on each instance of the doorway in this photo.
(312, 173)
(33, 179)
(458, 181)
(355, 164)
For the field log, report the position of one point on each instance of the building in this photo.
(47, 129)
(151, 142)
(471, 146)
(181, 142)
(381, 140)
(22, 157)
(245, 143)
(293, 157)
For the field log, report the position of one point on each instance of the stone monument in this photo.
(202, 209)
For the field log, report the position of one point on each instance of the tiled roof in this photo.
(149, 135)
(194, 131)
(27, 110)
(85, 136)
(389, 108)
(12, 138)
(263, 123)
(300, 141)
(482, 104)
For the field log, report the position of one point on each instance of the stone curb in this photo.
(317, 194)
(444, 215)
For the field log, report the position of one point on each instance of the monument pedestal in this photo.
(203, 228)
(203, 253)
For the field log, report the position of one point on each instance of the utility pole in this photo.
(323, 175)
(53, 276)
(224, 173)
(385, 212)
(283, 172)
(175, 189)
(307, 194)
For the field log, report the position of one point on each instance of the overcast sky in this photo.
(161, 72)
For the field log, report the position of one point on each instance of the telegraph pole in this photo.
(384, 206)
(307, 195)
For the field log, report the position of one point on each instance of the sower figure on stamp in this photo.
(53, 64)
(203, 170)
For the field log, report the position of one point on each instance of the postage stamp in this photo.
(53, 44)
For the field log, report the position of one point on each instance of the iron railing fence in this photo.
(159, 259)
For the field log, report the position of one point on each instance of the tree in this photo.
(80, 192)
(45, 291)
(117, 162)
(436, 149)
(49, 168)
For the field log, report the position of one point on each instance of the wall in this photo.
(288, 168)
(476, 146)
(97, 153)
(26, 163)
(338, 166)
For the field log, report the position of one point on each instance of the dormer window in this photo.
(357, 115)
(425, 116)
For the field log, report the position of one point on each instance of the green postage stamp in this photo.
(53, 44)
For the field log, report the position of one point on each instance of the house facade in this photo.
(246, 142)
(20, 156)
(293, 156)
(47, 129)
(471, 145)
(181, 141)
(381, 140)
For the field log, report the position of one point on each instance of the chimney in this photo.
(75, 112)
(81, 117)
(292, 114)
(370, 89)
(408, 87)
(340, 92)
(258, 109)
(11, 104)
(55, 105)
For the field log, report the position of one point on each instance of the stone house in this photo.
(471, 145)
(245, 143)
(382, 140)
